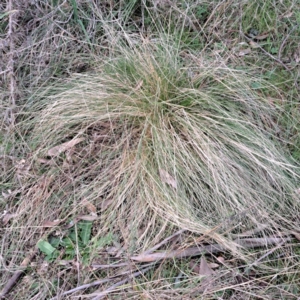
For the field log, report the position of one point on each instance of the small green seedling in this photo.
(50, 251)
(78, 240)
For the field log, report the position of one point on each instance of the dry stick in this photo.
(12, 281)
(252, 232)
(120, 265)
(194, 251)
(246, 243)
(98, 282)
(96, 266)
(82, 287)
(111, 288)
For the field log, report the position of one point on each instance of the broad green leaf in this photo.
(53, 256)
(45, 247)
(54, 241)
(72, 237)
(86, 230)
(67, 242)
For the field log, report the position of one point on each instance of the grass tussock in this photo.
(194, 144)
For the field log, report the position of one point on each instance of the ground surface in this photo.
(149, 149)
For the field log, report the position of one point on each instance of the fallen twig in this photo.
(98, 282)
(82, 287)
(96, 266)
(209, 249)
(252, 232)
(111, 288)
(12, 281)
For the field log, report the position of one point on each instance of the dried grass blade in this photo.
(55, 151)
(215, 248)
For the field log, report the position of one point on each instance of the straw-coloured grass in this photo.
(194, 144)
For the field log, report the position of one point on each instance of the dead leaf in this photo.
(106, 203)
(70, 155)
(296, 55)
(167, 178)
(244, 52)
(205, 269)
(112, 250)
(90, 207)
(7, 195)
(65, 263)
(296, 234)
(7, 217)
(262, 36)
(87, 217)
(288, 15)
(43, 268)
(71, 224)
(22, 168)
(49, 224)
(221, 259)
(139, 85)
(213, 265)
(254, 45)
(55, 151)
